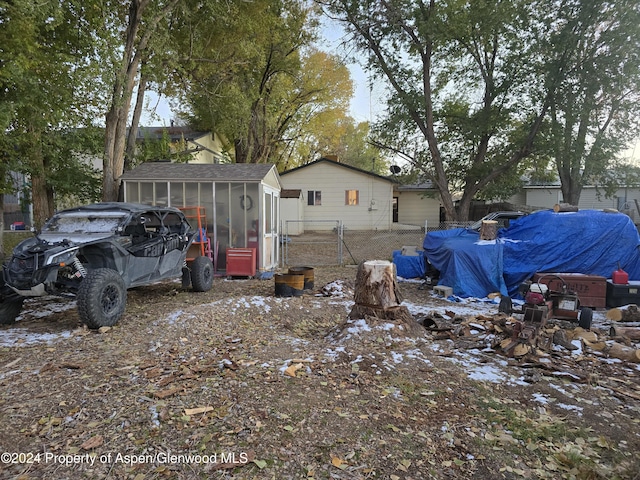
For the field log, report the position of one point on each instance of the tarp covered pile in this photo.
(590, 242)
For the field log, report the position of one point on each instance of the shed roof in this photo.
(189, 172)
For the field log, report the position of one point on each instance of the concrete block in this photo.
(442, 290)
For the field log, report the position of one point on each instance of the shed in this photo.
(240, 201)
(292, 211)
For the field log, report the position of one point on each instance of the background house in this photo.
(201, 147)
(241, 202)
(333, 191)
(546, 195)
(416, 204)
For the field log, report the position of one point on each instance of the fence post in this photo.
(340, 240)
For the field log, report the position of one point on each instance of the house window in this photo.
(314, 197)
(351, 197)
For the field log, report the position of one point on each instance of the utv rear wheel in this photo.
(9, 310)
(201, 274)
(102, 298)
(586, 316)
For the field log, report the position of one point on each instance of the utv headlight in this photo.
(62, 257)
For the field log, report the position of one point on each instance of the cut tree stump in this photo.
(630, 332)
(377, 296)
(488, 230)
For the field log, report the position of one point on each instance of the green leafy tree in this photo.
(595, 108)
(47, 89)
(143, 20)
(464, 104)
(248, 81)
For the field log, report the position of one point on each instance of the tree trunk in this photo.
(378, 297)
(130, 153)
(2, 252)
(117, 116)
(488, 230)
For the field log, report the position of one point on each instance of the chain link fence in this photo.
(304, 243)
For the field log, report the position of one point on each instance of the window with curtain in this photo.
(314, 197)
(351, 197)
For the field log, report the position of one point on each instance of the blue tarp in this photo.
(409, 266)
(590, 242)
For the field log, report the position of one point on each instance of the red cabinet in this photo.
(241, 262)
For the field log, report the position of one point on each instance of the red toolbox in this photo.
(591, 289)
(241, 262)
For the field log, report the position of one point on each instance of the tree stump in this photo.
(377, 295)
(488, 230)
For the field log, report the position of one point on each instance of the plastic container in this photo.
(619, 276)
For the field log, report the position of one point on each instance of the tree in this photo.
(595, 108)
(143, 19)
(250, 84)
(47, 91)
(458, 73)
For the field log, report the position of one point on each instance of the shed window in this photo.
(351, 197)
(314, 197)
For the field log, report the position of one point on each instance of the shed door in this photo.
(270, 214)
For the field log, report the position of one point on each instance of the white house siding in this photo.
(292, 216)
(519, 198)
(211, 149)
(547, 197)
(414, 208)
(373, 211)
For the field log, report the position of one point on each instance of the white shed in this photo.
(241, 202)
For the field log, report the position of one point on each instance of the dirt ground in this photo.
(236, 383)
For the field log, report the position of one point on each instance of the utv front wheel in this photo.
(102, 298)
(201, 274)
(9, 310)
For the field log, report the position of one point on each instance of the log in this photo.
(628, 354)
(564, 207)
(629, 313)
(488, 230)
(630, 332)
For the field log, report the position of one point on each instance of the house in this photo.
(241, 202)
(546, 195)
(416, 204)
(333, 192)
(202, 147)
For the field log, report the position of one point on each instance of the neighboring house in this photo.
(549, 194)
(204, 147)
(241, 202)
(332, 191)
(417, 204)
